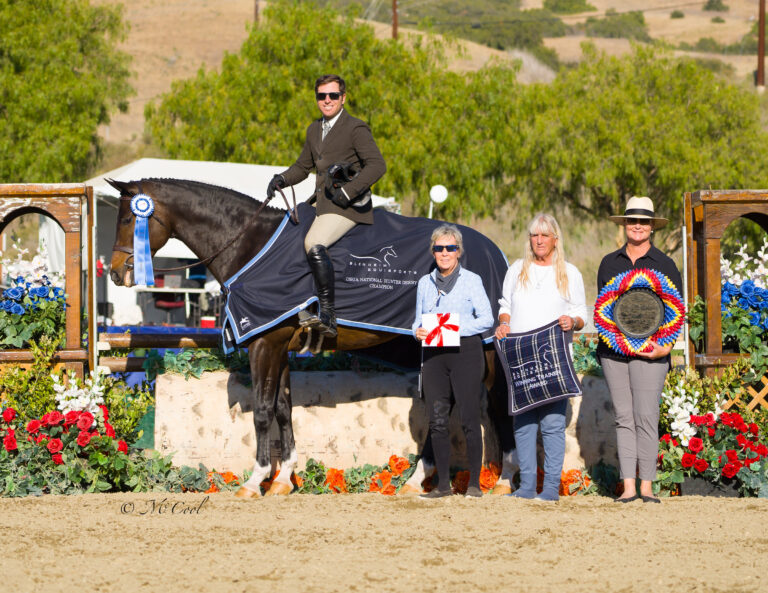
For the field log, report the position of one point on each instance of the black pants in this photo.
(458, 370)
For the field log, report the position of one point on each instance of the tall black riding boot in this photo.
(322, 269)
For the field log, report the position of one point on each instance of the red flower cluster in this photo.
(7, 432)
(53, 428)
(723, 446)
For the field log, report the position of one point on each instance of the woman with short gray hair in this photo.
(450, 288)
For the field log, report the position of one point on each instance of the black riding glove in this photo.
(277, 182)
(340, 198)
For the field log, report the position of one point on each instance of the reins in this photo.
(292, 212)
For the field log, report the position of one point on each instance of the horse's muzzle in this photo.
(124, 280)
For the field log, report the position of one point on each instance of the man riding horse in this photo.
(344, 154)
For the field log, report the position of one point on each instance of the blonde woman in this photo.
(538, 289)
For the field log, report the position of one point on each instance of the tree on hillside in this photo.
(642, 124)
(432, 126)
(60, 76)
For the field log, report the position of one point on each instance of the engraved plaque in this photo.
(638, 313)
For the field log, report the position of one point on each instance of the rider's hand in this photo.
(421, 334)
(276, 182)
(340, 198)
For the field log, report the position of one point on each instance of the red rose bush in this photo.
(724, 449)
(78, 452)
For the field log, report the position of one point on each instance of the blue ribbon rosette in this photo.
(142, 208)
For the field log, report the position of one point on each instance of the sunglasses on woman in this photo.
(332, 96)
(448, 248)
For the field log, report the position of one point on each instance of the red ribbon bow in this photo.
(441, 324)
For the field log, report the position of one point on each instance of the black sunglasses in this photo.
(640, 221)
(448, 248)
(333, 96)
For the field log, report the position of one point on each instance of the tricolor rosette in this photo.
(674, 311)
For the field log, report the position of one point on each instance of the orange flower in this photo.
(461, 482)
(398, 465)
(296, 480)
(567, 479)
(380, 482)
(389, 490)
(229, 477)
(334, 479)
(489, 476)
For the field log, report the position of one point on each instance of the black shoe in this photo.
(650, 499)
(627, 499)
(322, 270)
(473, 492)
(436, 493)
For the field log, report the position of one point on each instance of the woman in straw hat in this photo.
(635, 382)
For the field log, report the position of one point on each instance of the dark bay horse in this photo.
(225, 228)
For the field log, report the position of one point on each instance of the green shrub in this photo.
(677, 14)
(568, 6)
(628, 25)
(716, 5)
(718, 19)
(127, 406)
(30, 391)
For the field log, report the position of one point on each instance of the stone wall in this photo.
(343, 419)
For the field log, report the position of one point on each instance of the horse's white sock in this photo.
(259, 474)
(423, 470)
(509, 465)
(286, 468)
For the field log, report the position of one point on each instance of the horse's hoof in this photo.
(279, 489)
(501, 490)
(408, 489)
(246, 493)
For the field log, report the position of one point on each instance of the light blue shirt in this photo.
(468, 299)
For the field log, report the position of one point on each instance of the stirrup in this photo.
(307, 319)
(327, 328)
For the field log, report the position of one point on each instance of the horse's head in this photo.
(122, 250)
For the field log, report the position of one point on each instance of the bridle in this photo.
(128, 265)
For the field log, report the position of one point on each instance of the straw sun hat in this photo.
(640, 207)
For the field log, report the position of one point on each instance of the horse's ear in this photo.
(122, 186)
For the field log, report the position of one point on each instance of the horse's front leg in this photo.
(265, 382)
(282, 483)
(496, 385)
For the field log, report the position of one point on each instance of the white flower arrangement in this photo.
(35, 270)
(79, 399)
(745, 267)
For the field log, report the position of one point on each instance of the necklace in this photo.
(540, 274)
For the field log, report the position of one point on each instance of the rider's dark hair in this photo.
(326, 78)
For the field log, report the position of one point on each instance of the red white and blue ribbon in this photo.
(674, 311)
(142, 207)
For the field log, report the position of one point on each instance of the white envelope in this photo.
(442, 328)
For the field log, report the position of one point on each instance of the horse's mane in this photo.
(214, 191)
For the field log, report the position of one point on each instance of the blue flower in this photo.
(754, 318)
(743, 304)
(763, 304)
(747, 288)
(14, 293)
(39, 291)
(6, 305)
(57, 292)
(19, 279)
(17, 309)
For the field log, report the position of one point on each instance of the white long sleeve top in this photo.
(540, 302)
